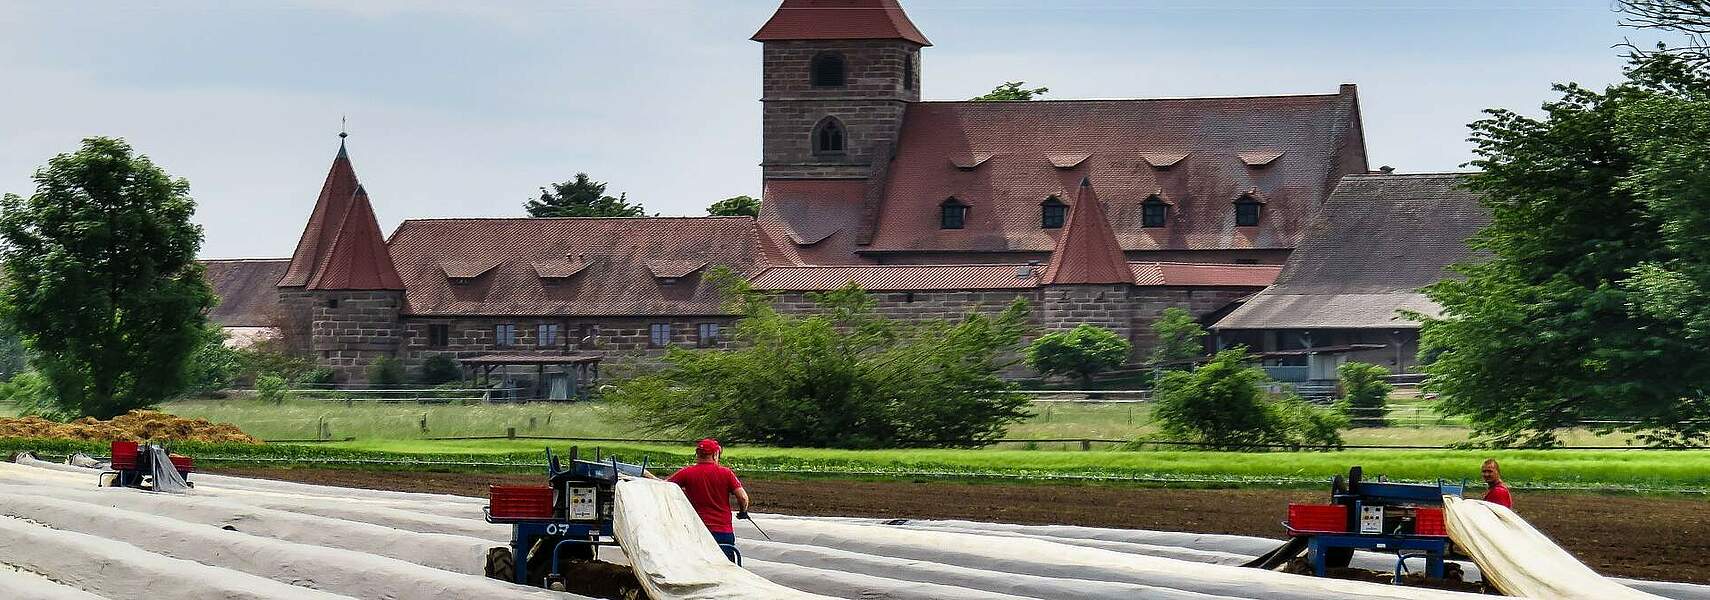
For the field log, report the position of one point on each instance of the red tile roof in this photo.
(323, 225)
(811, 221)
(1087, 251)
(358, 258)
(840, 20)
(920, 278)
(614, 277)
(898, 277)
(248, 290)
(1204, 275)
(1191, 150)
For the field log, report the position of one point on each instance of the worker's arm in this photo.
(742, 500)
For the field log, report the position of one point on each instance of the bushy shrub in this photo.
(1081, 352)
(212, 366)
(33, 395)
(439, 369)
(318, 376)
(1365, 389)
(272, 388)
(386, 372)
(1180, 338)
(843, 376)
(1223, 405)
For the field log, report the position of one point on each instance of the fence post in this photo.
(511, 433)
(1086, 445)
(531, 423)
(424, 423)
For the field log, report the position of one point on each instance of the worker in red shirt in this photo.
(1498, 493)
(709, 486)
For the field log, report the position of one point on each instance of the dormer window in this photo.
(827, 70)
(828, 137)
(1154, 212)
(1052, 213)
(952, 214)
(1247, 211)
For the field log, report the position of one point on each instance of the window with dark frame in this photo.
(707, 335)
(439, 335)
(908, 72)
(1154, 213)
(1052, 213)
(332, 302)
(1247, 212)
(828, 136)
(505, 335)
(659, 335)
(953, 214)
(827, 70)
(546, 336)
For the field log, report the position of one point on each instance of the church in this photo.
(1095, 211)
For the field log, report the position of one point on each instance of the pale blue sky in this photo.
(465, 108)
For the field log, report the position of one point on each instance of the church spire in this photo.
(357, 258)
(1087, 251)
(324, 220)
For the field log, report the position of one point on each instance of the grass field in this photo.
(301, 419)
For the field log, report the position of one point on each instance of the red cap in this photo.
(707, 446)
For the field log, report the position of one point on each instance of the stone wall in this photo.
(352, 329)
(623, 343)
(870, 106)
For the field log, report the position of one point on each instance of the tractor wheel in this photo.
(500, 564)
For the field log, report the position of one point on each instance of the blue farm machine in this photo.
(557, 527)
(1399, 518)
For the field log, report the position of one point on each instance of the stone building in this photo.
(1099, 211)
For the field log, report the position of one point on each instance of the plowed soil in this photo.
(1639, 537)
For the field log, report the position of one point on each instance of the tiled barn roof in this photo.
(1202, 154)
(571, 266)
(1378, 240)
(812, 221)
(1086, 251)
(248, 290)
(921, 278)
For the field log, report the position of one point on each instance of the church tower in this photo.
(838, 75)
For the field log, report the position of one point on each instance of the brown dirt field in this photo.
(1661, 538)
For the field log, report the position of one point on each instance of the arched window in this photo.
(952, 214)
(1247, 210)
(828, 136)
(1052, 213)
(826, 70)
(1154, 212)
(908, 72)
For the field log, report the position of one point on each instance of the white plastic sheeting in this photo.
(1520, 560)
(674, 556)
(24, 585)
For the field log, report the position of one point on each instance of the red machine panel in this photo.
(1318, 518)
(520, 501)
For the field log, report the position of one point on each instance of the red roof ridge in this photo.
(1087, 251)
(1152, 99)
(1206, 264)
(707, 217)
(245, 259)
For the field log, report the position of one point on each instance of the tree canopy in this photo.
(101, 280)
(582, 197)
(842, 376)
(1589, 309)
(1011, 91)
(1081, 352)
(1223, 405)
(1180, 336)
(735, 206)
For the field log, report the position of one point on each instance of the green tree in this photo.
(1587, 311)
(1081, 352)
(581, 197)
(1011, 91)
(842, 376)
(1223, 405)
(735, 206)
(272, 389)
(1691, 18)
(1180, 337)
(212, 366)
(1365, 388)
(101, 279)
